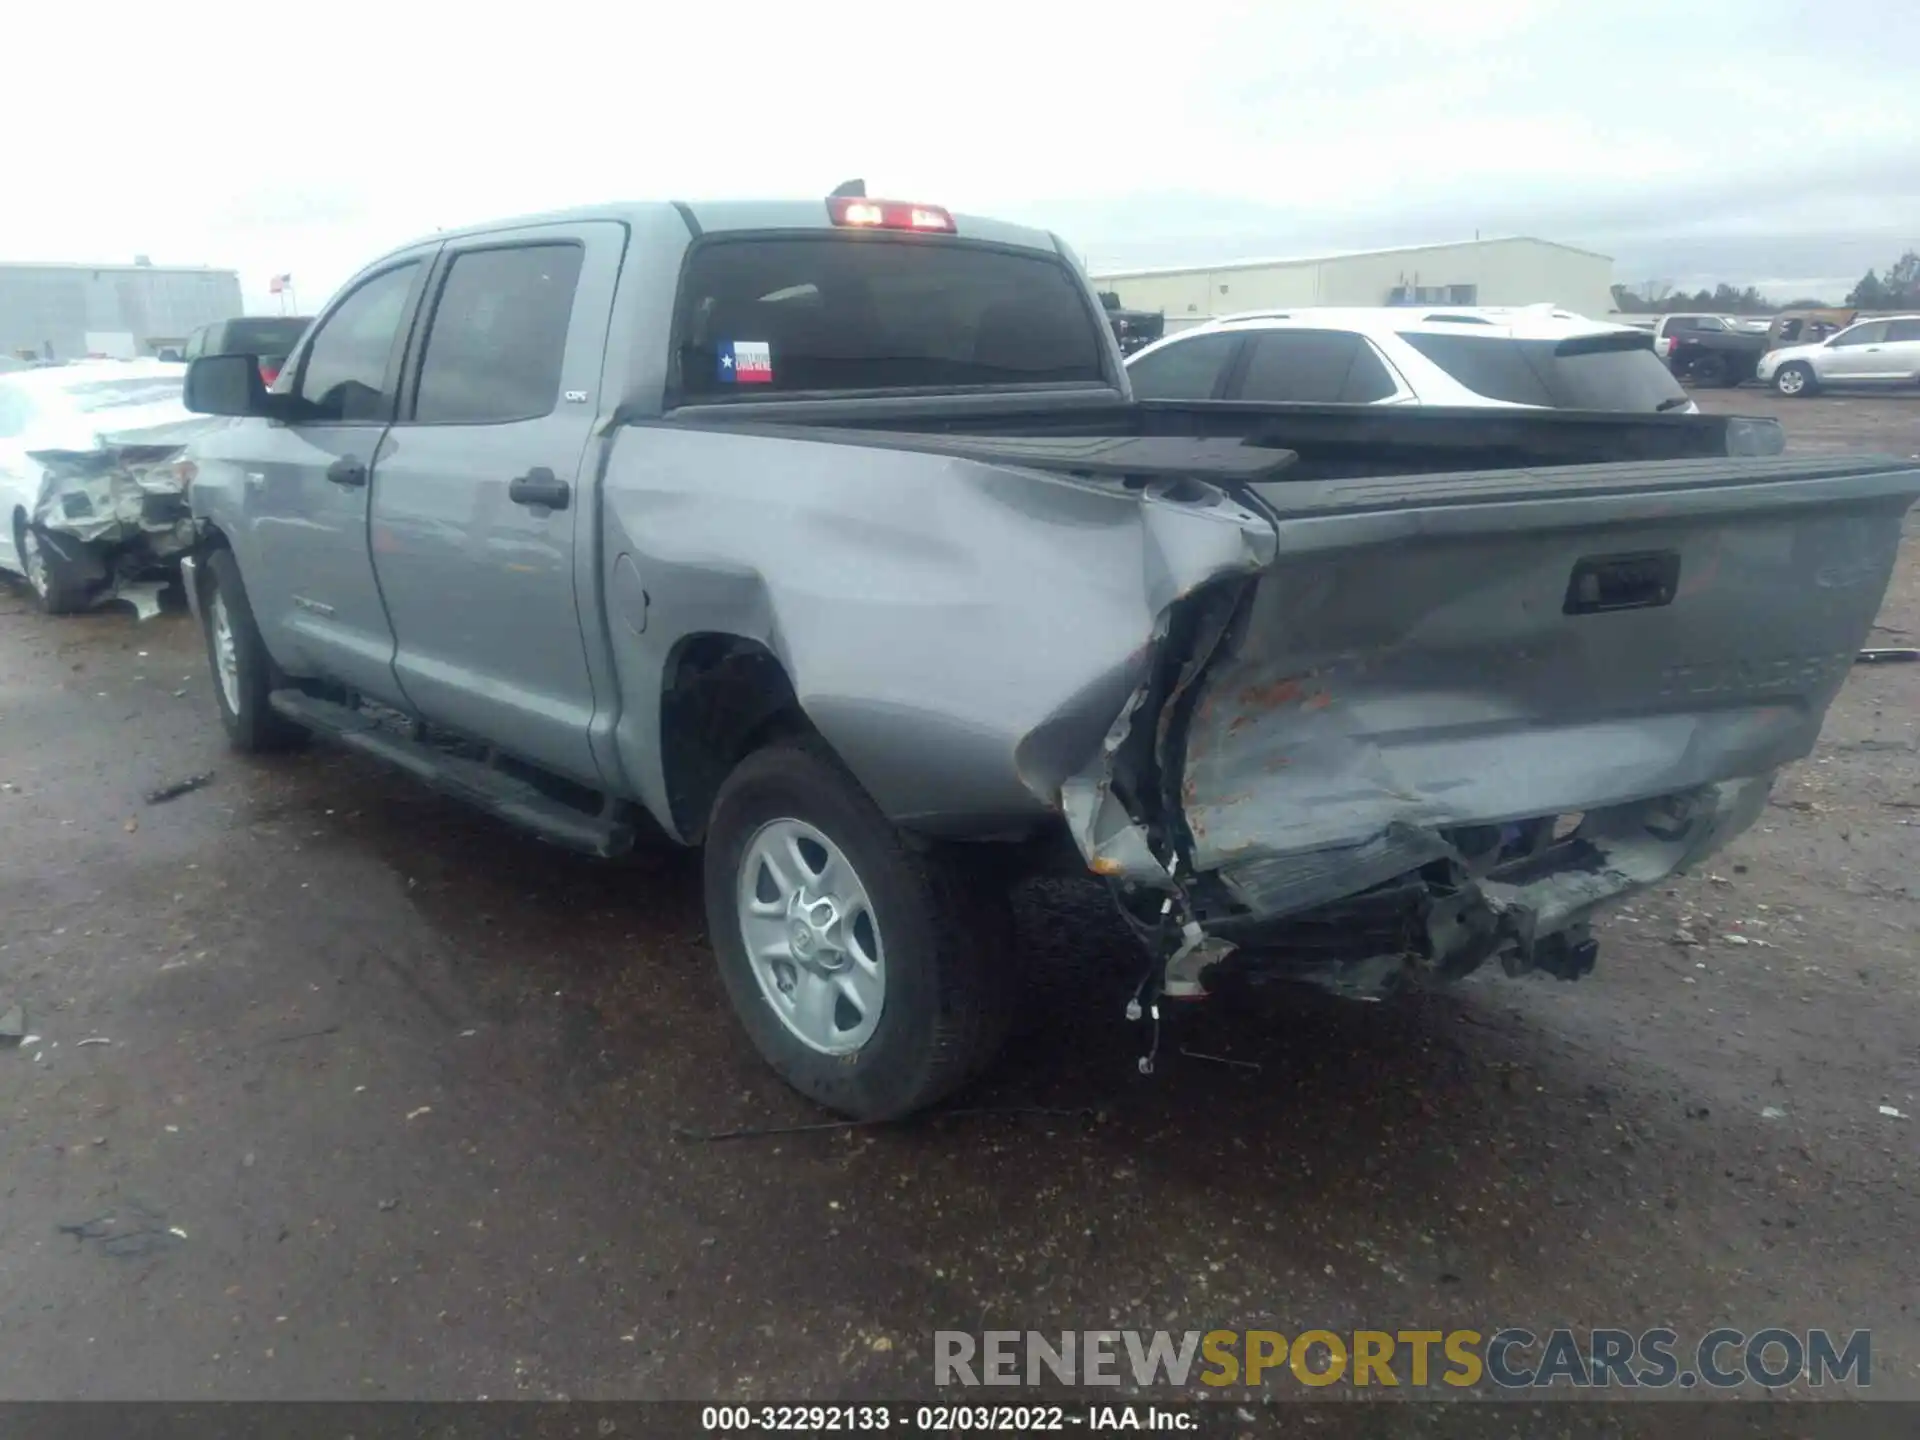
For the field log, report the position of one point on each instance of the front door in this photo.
(305, 488)
(481, 536)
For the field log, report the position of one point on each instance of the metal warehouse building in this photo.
(66, 312)
(1516, 271)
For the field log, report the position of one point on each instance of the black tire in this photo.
(252, 724)
(945, 934)
(59, 587)
(1809, 382)
(1711, 370)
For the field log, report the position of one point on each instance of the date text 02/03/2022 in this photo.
(944, 1419)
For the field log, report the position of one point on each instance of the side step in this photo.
(480, 785)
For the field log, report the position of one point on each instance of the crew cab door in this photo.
(305, 484)
(482, 533)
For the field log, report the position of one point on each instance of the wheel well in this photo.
(725, 697)
(212, 538)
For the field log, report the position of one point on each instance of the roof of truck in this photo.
(712, 216)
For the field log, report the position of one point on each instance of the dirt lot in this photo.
(393, 1099)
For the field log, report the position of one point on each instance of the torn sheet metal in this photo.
(1378, 695)
(116, 497)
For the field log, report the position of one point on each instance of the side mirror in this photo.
(229, 385)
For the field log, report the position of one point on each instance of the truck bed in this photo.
(1210, 439)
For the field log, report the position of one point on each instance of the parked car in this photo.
(89, 485)
(1134, 329)
(1490, 356)
(827, 536)
(1709, 350)
(1878, 353)
(269, 338)
(1804, 327)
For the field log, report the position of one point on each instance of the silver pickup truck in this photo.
(827, 536)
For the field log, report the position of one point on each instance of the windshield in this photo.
(809, 313)
(1589, 372)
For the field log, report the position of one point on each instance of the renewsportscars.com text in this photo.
(1508, 1359)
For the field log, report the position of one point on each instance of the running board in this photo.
(481, 785)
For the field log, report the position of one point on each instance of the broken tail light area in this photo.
(116, 495)
(859, 213)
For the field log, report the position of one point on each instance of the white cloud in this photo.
(303, 139)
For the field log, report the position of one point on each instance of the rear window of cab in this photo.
(782, 314)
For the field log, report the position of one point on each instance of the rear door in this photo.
(304, 488)
(1317, 367)
(1184, 369)
(479, 534)
(1856, 354)
(1903, 349)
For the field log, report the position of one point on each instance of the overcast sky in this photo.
(1753, 140)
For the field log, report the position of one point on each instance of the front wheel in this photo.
(870, 974)
(243, 673)
(1795, 380)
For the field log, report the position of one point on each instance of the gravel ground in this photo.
(394, 1098)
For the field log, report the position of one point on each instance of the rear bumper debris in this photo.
(1415, 742)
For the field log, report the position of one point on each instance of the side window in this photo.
(1906, 331)
(196, 344)
(344, 374)
(1306, 366)
(1184, 370)
(1369, 380)
(498, 335)
(1497, 369)
(1861, 335)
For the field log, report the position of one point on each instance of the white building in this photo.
(1516, 271)
(66, 311)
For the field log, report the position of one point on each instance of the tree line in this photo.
(1897, 289)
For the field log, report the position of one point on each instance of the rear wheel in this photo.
(59, 586)
(243, 673)
(1795, 380)
(1711, 369)
(870, 974)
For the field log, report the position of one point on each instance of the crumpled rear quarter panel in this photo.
(962, 633)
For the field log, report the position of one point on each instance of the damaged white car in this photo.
(91, 477)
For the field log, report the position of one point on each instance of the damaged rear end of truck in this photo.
(1455, 715)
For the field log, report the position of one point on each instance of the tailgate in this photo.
(1440, 656)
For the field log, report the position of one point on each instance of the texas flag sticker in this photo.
(746, 362)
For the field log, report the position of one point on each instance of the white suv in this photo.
(1883, 351)
(1532, 356)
